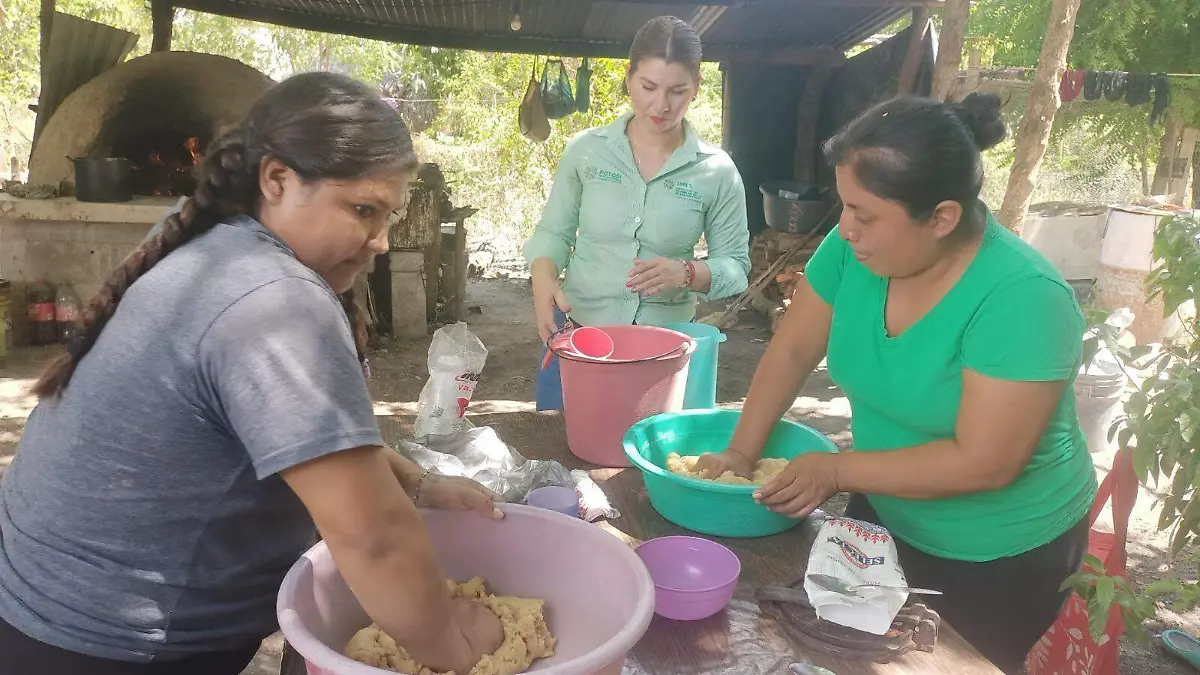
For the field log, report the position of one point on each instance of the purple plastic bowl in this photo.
(693, 578)
(555, 498)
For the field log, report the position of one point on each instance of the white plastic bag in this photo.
(856, 553)
(456, 358)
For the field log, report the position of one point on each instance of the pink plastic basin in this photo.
(693, 578)
(645, 375)
(599, 597)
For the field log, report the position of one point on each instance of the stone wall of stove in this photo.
(67, 241)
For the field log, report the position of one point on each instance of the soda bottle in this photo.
(41, 314)
(66, 312)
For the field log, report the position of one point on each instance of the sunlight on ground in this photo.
(15, 400)
(485, 407)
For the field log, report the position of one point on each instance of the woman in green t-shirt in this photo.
(956, 344)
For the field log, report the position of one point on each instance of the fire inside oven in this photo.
(163, 161)
(163, 134)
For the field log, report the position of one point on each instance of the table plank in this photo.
(740, 640)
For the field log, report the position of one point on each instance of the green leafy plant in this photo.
(1161, 422)
(1100, 592)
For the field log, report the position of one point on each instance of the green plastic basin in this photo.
(702, 506)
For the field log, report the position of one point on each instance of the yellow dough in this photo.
(526, 637)
(766, 470)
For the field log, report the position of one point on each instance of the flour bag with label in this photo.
(856, 552)
(456, 358)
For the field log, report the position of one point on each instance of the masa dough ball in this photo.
(526, 637)
(764, 472)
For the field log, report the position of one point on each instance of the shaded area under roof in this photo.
(578, 27)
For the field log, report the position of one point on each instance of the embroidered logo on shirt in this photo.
(592, 172)
(683, 190)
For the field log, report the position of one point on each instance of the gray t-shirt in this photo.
(144, 517)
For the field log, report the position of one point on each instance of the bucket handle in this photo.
(685, 348)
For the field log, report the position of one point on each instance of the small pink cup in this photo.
(591, 342)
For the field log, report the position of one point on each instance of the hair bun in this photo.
(981, 114)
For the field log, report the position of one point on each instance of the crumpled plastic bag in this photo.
(480, 454)
(456, 358)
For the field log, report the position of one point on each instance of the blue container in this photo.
(701, 389)
(719, 509)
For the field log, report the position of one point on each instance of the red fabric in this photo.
(1067, 648)
(1071, 85)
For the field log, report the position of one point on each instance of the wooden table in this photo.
(739, 640)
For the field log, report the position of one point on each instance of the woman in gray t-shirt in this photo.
(212, 408)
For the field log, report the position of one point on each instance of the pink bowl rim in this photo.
(323, 656)
(705, 542)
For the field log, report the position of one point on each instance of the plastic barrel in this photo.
(701, 390)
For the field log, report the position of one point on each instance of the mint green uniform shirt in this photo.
(1010, 316)
(601, 216)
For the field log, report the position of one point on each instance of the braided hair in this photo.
(323, 126)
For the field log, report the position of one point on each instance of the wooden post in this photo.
(912, 58)
(461, 262)
(950, 47)
(807, 113)
(162, 16)
(1168, 152)
(1033, 134)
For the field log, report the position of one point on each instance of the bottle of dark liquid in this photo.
(41, 314)
(66, 312)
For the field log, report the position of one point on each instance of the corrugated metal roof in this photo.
(78, 51)
(574, 27)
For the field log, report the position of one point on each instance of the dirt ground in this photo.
(501, 316)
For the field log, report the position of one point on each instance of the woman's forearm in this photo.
(793, 354)
(400, 584)
(928, 471)
(543, 269)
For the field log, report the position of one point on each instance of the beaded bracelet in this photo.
(689, 269)
(417, 490)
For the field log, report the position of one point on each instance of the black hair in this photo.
(921, 152)
(323, 126)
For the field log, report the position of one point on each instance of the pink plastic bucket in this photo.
(599, 597)
(645, 376)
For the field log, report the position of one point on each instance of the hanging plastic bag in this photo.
(557, 95)
(532, 113)
(583, 87)
(456, 358)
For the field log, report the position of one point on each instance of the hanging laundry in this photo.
(1114, 84)
(1137, 89)
(1162, 97)
(1071, 85)
(1093, 86)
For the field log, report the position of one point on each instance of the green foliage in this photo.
(1101, 592)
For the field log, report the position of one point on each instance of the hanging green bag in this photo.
(556, 90)
(583, 87)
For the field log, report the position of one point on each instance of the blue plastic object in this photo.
(701, 389)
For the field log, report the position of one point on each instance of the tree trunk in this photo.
(1196, 180)
(1034, 131)
(950, 47)
(1168, 150)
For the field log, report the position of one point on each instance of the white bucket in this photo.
(1097, 402)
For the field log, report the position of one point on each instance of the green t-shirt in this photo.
(1010, 316)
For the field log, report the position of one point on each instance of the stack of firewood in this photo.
(768, 247)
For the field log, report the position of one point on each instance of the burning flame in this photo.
(193, 147)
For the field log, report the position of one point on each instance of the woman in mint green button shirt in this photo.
(629, 203)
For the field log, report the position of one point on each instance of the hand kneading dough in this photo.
(526, 637)
(765, 471)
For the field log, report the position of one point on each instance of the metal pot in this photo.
(103, 179)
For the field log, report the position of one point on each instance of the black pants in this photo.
(1002, 607)
(22, 655)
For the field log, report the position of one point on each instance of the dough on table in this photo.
(764, 472)
(526, 637)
